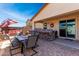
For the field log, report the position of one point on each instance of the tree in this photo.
(28, 23)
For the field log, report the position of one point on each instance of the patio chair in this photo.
(14, 45)
(51, 36)
(34, 32)
(31, 43)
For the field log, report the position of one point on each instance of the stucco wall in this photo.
(39, 25)
(71, 16)
(54, 9)
(55, 21)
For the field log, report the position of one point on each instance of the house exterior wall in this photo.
(54, 9)
(55, 21)
(39, 25)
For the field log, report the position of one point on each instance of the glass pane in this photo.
(71, 28)
(62, 29)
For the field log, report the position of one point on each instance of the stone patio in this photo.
(48, 48)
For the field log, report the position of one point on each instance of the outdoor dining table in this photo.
(44, 34)
(22, 40)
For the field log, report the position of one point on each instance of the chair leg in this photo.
(36, 46)
(31, 54)
(12, 50)
(34, 52)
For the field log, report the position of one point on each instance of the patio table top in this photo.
(21, 38)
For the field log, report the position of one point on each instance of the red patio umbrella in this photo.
(6, 23)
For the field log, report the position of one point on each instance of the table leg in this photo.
(22, 46)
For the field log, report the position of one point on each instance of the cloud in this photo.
(15, 16)
(19, 12)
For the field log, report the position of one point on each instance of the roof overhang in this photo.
(39, 11)
(61, 10)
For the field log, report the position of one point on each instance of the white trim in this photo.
(76, 28)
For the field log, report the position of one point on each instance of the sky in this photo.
(19, 12)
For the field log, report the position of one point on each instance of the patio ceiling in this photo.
(40, 21)
(58, 16)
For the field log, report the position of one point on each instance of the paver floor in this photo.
(47, 48)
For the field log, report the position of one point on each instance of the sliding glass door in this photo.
(67, 28)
